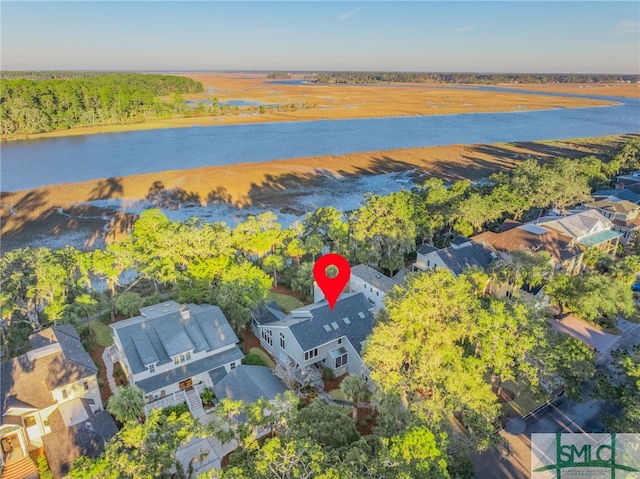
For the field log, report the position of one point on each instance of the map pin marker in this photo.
(331, 287)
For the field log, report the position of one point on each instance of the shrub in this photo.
(178, 409)
(208, 396)
(327, 374)
(253, 360)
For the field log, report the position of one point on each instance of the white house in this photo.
(57, 378)
(172, 351)
(373, 284)
(316, 335)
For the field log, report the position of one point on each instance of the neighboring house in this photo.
(172, 352)
(249, 383)
(564, 251)
(373, 284)
(631, 178)
(316, 335)
(623, 214)
(590, 229)
(45, 393)
(621, 193)
(464, 253)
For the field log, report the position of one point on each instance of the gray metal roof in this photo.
(310, 331)
(426, 249)
(189, 369)
(249, 383)
(624, 194)
(167, 333)
(373, 277)
(217, 374)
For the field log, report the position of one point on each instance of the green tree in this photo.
(127, 404)
(129, 304)
(355, 388)
(272, 264)
(142, 450)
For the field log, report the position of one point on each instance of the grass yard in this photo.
(102, 331)
(264, 356)
(338, 394)
(287, 303)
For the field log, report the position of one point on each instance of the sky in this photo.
(470, 36)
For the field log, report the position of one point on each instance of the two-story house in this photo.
(564, 251)
(373, 284)
(464, 253)
(316, 335)
(172, 351)
(45, 394)
(589, 229)
(623, 214)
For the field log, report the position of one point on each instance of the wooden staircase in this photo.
(22, 469)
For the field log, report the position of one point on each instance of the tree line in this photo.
(234, 268)
(82, 99)
(470, 78)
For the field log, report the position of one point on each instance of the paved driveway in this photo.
(585, 332)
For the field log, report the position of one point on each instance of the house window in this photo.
(86, 385)
(282, 341)
(312, 353)
(152, 368)
(340, 356)
(232, 365)
(29, 421)
(64, 394)
(188, 355)
(182, 358)
(339, 341)
(267, 336)
(46, 423)
(428, 263)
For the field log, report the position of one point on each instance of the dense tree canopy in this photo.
(35, 106)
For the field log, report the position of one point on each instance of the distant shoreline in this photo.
(32, 217)
(334, 102)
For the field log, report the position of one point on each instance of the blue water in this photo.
(33, 163)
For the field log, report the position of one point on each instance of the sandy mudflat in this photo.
(332, 102)
(85, 214)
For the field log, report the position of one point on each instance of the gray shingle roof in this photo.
(189, 369)
(28, 380)
(311, 332)
(63, 444)
(426, 249)
(624, 194)
(373, 277)
(460, 258)
(161, 335)
(268, 313)
(249, 383)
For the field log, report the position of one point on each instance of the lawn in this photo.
(287, 303)
(264, 356)
(338, 394)
(103, 332)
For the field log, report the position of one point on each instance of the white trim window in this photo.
(312, 353)
(267, 335)
(340, 357)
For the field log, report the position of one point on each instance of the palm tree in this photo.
(355, 388)
(127, 404)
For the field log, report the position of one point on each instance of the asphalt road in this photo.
(563, 415)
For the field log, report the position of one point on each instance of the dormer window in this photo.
(152, 368)
(181, 358)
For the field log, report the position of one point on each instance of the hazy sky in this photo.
(577, 36)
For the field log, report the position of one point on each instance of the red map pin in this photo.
(331, 287)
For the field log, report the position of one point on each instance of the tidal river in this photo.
(33, 163)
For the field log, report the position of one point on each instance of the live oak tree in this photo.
(420, 350)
